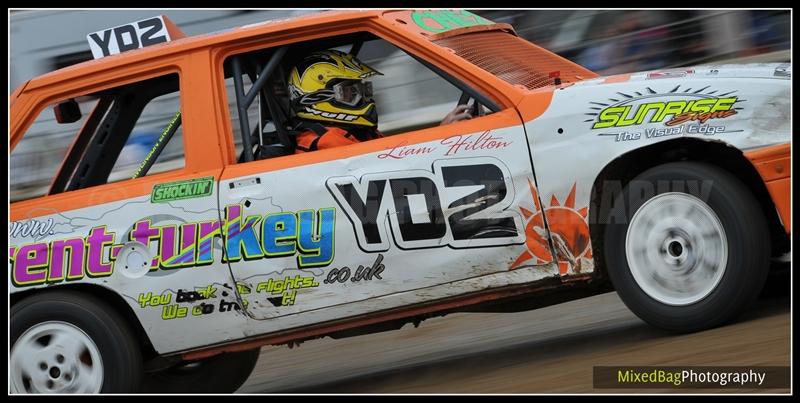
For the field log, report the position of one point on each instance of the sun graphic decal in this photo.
(569, 230)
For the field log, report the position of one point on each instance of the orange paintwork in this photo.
(620, 78)
(208, 142)
(535, 103)
(199, 156)
(14, 95)
(505, 118)
(175, 33)
(774, 164)
(111, 192)
(405, 18)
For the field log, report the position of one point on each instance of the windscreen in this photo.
(514, 59)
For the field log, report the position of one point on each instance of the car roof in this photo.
(411, 21)
(190, 43)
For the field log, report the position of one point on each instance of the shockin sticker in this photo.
(189, 189)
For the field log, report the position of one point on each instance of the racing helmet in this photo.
(328, 86)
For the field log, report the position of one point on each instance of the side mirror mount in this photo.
(67, 111)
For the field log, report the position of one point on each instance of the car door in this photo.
(123, 213)
(414, 216)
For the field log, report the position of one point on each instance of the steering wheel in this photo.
(475, 109)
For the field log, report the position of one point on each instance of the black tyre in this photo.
(223, 373)
(692, 250)
(70, 342)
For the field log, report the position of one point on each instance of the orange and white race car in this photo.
(672, 187)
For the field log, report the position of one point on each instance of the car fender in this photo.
(584, 128)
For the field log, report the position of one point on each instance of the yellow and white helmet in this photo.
(328, 86)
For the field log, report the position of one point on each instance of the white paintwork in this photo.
(119, 218)
(412, 268)
(577, 155)
(413, 274)
(134, 34)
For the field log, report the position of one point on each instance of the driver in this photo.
(333, 105)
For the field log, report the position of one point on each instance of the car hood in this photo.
(753, 70)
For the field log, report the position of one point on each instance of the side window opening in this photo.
(145, 137)
(259, 105)
(121, 133)
(410, 95)
(34, 161)
(413, 94)
(139, 134)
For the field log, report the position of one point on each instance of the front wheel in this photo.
(69, 342)
(222, 373)
(692, 249)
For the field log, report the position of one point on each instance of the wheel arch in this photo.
(625, 167)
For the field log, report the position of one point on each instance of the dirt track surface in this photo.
(549, 350)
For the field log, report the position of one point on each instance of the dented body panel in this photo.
(218, 253)
(597, 121)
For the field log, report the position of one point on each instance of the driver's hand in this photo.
(461, 112)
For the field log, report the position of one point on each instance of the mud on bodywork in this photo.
(591, 123)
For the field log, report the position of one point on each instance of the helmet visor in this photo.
(351, 92)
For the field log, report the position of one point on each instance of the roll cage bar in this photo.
(245, 98)
(282, 139)
(107, 130)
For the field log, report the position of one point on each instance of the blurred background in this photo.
(605, 41)
(550, 350)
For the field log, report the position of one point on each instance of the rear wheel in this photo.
(223, 373)
(69, 342)
(693, 249)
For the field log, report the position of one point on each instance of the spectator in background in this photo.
(686, 41)
(765, 36)
(600, 58)
(623, 49)
(650, 47)
(135, 150)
